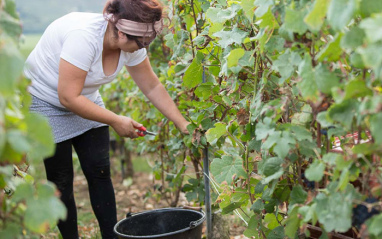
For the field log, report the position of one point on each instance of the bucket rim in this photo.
(198, 222)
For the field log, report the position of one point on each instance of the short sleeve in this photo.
(136, 57)
(79, 49)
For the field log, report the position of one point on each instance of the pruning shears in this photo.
(142, 131)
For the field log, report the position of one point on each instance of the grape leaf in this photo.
(316, 17)
(353, 38)
(340, 13)
(234, 56)
(294, 21)
(373, 28)
(298, 195)
(226, 167)
(357, 88)
(315, 171)
(325, 79)
(262, 7)
(215, 133)
(194, 73)
(307, 86)
(229, 37)
(368, 7)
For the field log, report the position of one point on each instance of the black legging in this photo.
(92, 149)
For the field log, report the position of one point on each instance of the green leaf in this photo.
(344, 112)
(222, 2)
(340, 13)
(304, 118)
(284, 144)
(334, 210)
(11, 65)
(307, 86)
(298, 195)
(10, 231)
(23, 191)
(324, 119)
(18, 141)
(234, 56)
(374, 225)
(353, 38)
(316, 17)
(356, 60)
(212, 15)
(294, 21)
(268, 20)
(252, 229)
(258, 206)
(271, 140)
(315, 171)
(292, 223)
(229, 37)
(275, 43)
(40, 137)
(375, 127)
(265, 128)
(285, 64)
(272, 166)
(226, 167)
(248, 8)
(194, 73)
(215, 133)
(45, 210)
(272, 222)
(228, 13)
(231, 207)
(331, 158)
(325, 79)
(301, 133)
(368, 7)
(332, 51)
(262, 7)
(277, 233)
(357, 88)
(10, 25)
(308, 214)
(372, 60)
(373, 28)
(10, 8)
(343, 180)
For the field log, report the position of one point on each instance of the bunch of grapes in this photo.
(309, 184)
(361, 213)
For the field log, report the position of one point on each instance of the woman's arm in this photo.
(148, 82)
(70, 84)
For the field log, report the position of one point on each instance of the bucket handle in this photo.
(193, 224)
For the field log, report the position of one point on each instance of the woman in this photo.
(76, 55)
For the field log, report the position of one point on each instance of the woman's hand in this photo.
(125, 127)
(183, 127)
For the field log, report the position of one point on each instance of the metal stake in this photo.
(206, 171)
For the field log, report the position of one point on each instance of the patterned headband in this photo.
(137, 28)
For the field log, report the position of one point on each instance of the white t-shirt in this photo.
(78, 39)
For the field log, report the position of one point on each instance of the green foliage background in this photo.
(282, 80)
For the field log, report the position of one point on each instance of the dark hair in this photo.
(146, 11)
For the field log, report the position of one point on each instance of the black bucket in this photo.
(165, 223)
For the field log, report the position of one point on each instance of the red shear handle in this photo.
(141, 131)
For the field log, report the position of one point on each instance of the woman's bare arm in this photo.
(70, 84)
(150, 85)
